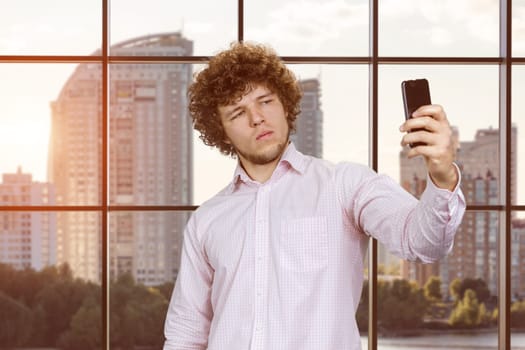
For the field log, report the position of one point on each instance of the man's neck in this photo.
(261, 173)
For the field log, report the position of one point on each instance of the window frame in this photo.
(505, 62)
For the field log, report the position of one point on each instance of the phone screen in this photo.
(416, 93)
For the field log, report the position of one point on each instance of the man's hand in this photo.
(439, 149)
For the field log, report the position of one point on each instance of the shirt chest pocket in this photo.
(304, 244)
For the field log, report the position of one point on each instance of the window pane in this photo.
(145, 250)
(438, 28)
(49, 125)
(150, 134)
(53, 27)
(47, 263)
(518, 28)
(458, 293)
(517, 310)
(209, 24)
(309, 28)
(518, 122)
(469, 95)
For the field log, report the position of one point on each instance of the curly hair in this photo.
(229, 76)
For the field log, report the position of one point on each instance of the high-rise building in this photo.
(150, 161)
(475, 253)
(308, 137)
(27, 239)
(518, 259)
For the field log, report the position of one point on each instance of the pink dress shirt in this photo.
(279, 265)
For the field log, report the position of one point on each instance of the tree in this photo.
(59, 302)
(468, 312)
(137, 314)
(432, 289)
(166, 289)
(401, 305)
(517, 314)
(85, 332)
(15, 322)
(459, 287)
(455, 289)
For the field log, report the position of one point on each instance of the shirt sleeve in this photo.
(416, 230)
(189, 314)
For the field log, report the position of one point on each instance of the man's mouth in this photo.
(263, 135)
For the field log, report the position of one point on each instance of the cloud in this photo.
(312, 22)
(518, 23)
(447, 20)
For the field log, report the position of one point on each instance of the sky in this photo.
(469, 94)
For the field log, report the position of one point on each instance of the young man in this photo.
(275, 260)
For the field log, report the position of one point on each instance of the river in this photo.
(478, 341)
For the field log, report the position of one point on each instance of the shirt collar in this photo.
(291, 159)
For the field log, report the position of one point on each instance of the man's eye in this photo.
(236, 115)
(267, 101)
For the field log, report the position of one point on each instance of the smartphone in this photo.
(416, 93)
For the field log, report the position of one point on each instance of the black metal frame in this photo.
(505, 62)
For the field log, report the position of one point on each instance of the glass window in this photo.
(142, 274)
(30, 28)
(518, 28)
(438, 28)
(309, 28)
(50, 268)
(150, 143)
(518, 133)
(50, 125)
(469, 96)
(210, 24)
(517, 310)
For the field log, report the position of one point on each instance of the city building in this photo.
(518, 259)
(27, 239)
(308, 137)
(150, 161)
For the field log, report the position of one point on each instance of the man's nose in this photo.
(256, 117)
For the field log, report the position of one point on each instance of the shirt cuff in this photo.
(443, 200)
(432, 185)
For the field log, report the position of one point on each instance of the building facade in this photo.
(150, 161)
(308, 137)
(27, 239)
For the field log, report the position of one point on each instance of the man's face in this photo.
(256, 127)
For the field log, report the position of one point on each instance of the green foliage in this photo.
(15, 322)
(85, 332)
(517, 314)
(137, 314)
(165, 289)
(51, 308)
(454, 289)
(469, 312)
(401, 305)
(459, 287)
(61, 298)
(432, 289)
